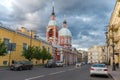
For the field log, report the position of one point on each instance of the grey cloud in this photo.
(92, 15)
(29, 5)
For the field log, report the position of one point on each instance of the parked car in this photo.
(50, 64)
(59, 64)
(21, 65)
(98, 69)
(83, 63)
(78, 64)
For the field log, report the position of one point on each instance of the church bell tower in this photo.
(52, 29)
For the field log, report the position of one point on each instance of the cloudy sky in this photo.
(86, 19)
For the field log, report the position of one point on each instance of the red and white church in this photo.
(61, 40)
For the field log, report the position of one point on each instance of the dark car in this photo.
(21, 65)
(50, 64)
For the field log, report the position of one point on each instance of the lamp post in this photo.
(107, 58)
(113, 63)
(30, 38)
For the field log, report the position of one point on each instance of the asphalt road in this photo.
(61, 73)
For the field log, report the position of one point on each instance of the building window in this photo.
(62, 41)
(50, 33)
(48, 50)
(6, 41)
(37, 47)
(43, 47)
(5, 62)
(25, 45)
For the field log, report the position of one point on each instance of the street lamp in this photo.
(107, 58)
(31, 38)
(113, 64)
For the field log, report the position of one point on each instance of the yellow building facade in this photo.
(113, 36)
(22, 38)
(96, 54)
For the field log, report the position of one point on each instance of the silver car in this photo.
(59, 64)
(78, 65)
(99, 69)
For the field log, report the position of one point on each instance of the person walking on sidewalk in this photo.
(117, 65)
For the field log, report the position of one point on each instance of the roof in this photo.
(65, 32)
(22, 34)
(52, 23)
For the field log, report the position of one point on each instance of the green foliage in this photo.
(44, 54)
(3, 49)
(37, 53)
(28, 53)
(49, 56)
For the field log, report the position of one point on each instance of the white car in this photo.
(78, 64)
(59, 64)
(98, 69)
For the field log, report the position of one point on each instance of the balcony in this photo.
(110, 35)
(117, 51)
(116, 38)
(115, 27)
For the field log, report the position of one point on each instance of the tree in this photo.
(44, 55)
(3, 49)
(49, 56)
(37, 53)
(28, 53)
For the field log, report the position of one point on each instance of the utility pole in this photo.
(30, 38)
(107, 44)
(113, 64)
(107, 58)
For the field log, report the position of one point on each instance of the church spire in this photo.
(53, 13)
(64, 22)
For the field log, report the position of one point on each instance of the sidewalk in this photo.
(3, 68)
(114, 74)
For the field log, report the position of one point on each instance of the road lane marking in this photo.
(49, 74)
(56, 72)
(71, 69)
(35, 77)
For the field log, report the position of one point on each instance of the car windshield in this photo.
(49, 61)
(78, 63)
(18, 62)
(58, 62)
(99, 65)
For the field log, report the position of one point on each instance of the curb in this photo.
(110, 76)
(4, 69)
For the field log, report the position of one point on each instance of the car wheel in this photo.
(11, 68)
(15, 69)
(91, 75)
(20, 68)
(30, 68)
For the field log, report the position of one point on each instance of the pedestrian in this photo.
(13, 61)
(68, 63)
(117, 65)
(36, 62)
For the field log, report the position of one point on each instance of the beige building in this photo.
(113, 36)
(83, 55)
(96, 54)
(79, 57)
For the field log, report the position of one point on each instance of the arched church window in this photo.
(50, 32)
(62, 41)
(68, 40)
